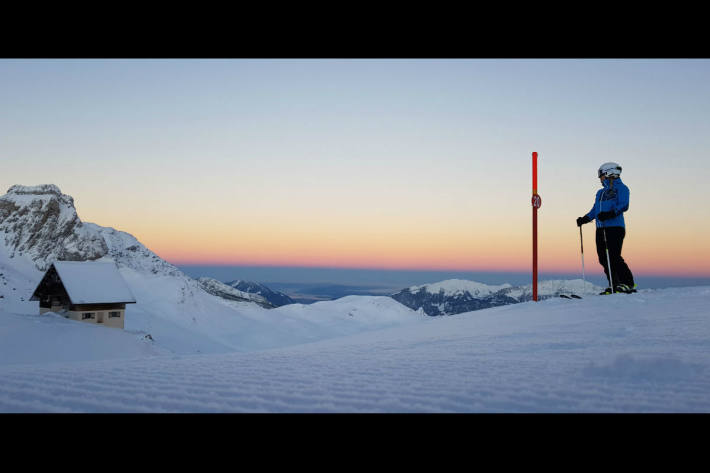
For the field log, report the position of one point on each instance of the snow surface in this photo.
(646, 352)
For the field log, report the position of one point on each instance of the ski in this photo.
(570, 296)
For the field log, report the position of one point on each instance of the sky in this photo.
(368, 163)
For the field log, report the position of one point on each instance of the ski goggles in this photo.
(603, 173)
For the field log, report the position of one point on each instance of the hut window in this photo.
(114, 314)
(88, 315)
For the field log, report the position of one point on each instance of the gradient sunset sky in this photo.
(381, 163)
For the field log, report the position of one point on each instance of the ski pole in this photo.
(581, 242)
(608, 261)
(606, 246)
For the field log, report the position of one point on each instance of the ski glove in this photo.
(582, 220)
(601, 216)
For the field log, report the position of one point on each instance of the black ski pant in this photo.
(620, 272)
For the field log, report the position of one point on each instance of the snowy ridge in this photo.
(554, 287)
(452, 287)
(128, 252)
(225, 291)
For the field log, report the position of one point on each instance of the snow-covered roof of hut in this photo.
(89, 282)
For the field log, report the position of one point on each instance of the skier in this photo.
(611, 202)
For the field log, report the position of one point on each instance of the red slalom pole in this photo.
(536, 203)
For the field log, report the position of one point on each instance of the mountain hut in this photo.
(88, 291)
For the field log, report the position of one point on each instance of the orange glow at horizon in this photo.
(400, 242)
(321, 255)
(340, 245)
(394, 251)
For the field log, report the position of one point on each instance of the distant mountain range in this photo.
(456, 296)
(448, 297)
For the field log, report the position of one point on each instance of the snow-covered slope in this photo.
(50, 338)
(646, 352)
(199, 322)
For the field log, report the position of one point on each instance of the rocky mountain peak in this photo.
(41, 223)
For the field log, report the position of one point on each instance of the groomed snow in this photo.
(647, 352)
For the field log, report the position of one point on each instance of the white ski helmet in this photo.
(610, 170)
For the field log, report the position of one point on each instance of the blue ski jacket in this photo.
(613, 198)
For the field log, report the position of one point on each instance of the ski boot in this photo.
(625, 288)
(606, 291)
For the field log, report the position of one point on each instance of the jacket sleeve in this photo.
(622, 202)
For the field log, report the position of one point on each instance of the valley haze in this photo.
(310, 284)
